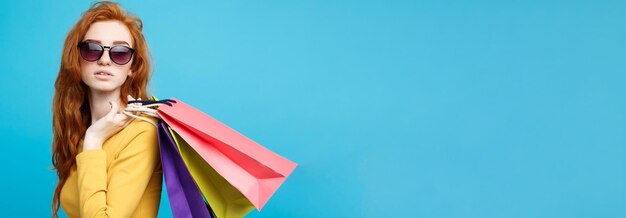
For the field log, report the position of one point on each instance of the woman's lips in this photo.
(103, 75)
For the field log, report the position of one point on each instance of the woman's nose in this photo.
(105, 59)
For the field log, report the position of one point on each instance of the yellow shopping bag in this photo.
(226, 201)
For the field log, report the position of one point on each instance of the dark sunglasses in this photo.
(119, 54)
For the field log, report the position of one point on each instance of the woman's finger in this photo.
(130, 98)
(138, 104)
(114, 109)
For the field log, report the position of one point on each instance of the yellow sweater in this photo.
(121, 180)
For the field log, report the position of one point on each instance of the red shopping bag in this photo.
(251, 168)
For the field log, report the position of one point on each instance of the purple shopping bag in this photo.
(185, 197)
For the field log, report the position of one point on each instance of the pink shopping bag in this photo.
(251, 168)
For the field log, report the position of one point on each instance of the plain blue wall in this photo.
(391, 108)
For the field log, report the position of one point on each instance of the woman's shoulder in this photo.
(141, 127)
(139, 136)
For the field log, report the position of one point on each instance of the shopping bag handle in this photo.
(149, 102)
(145, 107)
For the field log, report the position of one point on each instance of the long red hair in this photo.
(70, 108)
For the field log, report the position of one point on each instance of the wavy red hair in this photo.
(70, 108)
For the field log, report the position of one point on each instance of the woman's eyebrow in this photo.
(114, 42)
(120, 42)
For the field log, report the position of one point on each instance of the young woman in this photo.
(107, 162)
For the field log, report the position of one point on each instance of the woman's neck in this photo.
(99, 103)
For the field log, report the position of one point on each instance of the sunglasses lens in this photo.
(90, 51)
(121, 54)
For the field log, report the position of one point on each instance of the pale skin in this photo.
(104, 101)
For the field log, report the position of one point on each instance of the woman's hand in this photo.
(105, 127)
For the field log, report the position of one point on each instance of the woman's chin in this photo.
(101, 88)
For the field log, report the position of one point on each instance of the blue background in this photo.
(391, 108)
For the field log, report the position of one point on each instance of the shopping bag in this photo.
(249, 167)
(184, 196)
(226, 201)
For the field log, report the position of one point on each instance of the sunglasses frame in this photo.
(104, 47)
